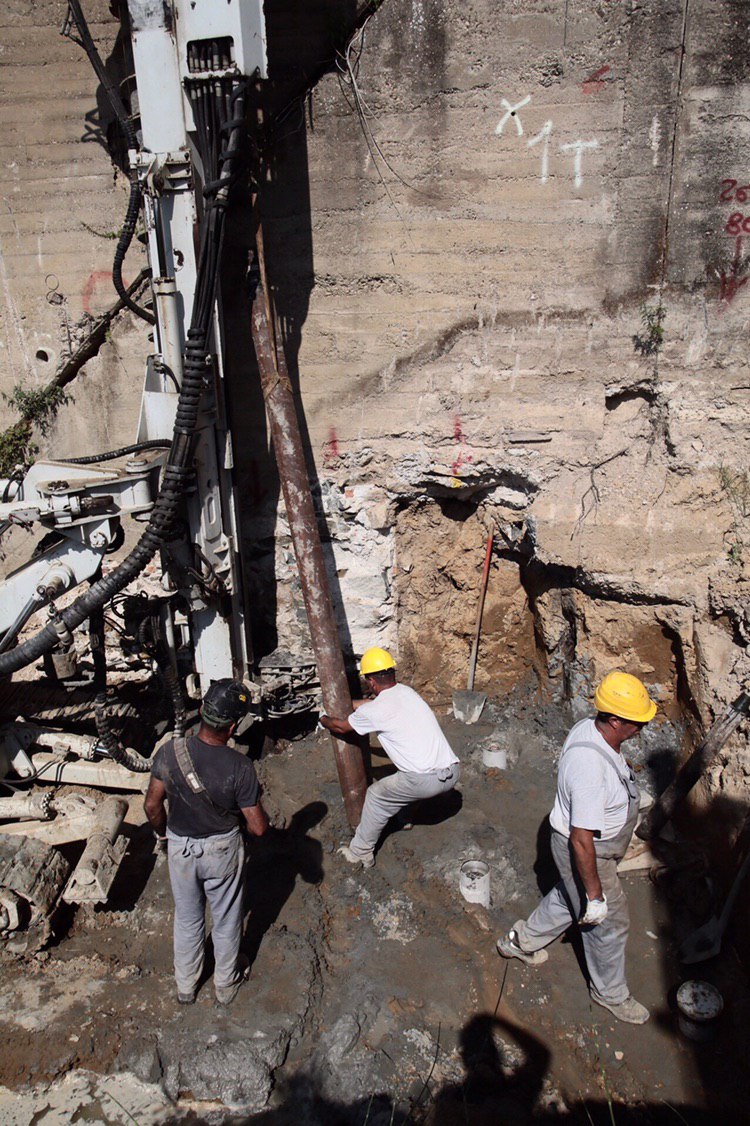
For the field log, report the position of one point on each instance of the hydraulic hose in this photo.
(123, 245)
(126, 757)
(122, 755)
(178, 469)
(134, 202)
(24, 614)
(110, 455)
(178, 700)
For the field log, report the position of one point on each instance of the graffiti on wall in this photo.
(96, 280)
(737, 226)
(462, 457)
(575, 150)
(595, 82)
(331, 451)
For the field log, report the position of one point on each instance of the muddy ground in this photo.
(376, 997)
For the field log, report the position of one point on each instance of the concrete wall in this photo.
(62, 206)
(499, 200)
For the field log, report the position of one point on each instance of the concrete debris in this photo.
(394, 919)
(102, 1100)
(229, 1071)
(346, 1064)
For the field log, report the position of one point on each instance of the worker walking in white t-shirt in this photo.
(592, 823)
(410, 735)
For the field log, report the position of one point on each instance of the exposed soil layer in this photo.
(376, 996)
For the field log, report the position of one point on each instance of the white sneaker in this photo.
(507, 947)
(630, 1011)
(366, 861)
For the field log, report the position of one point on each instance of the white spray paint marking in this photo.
(511, 112)
(578, 148)
(654, 137)
(543, 136)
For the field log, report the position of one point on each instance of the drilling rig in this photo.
(187, 126)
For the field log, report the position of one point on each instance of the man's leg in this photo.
(189, 914)
(222, 870)
(385, 798)
(605, 944)
(550, 918)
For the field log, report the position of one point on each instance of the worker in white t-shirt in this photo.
(410, 735)
(592, 823)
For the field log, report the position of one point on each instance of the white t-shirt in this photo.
(589, 793)
(407, 728)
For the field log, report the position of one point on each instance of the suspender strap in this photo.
(603, 755)
(185, 763)
(193, 779)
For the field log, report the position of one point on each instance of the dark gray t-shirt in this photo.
(230, 781)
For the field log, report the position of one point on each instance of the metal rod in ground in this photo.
(290, 459)
(691, 770)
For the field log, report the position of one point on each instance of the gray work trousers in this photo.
(385, 798)
(206, 869)
(604, 945)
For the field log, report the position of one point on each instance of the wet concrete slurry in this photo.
(379, 994)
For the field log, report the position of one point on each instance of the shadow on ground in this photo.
(492, 1093)
(274, 863)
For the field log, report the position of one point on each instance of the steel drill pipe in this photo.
(290, 459)
(29, 807)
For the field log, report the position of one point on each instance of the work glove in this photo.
(595, 913)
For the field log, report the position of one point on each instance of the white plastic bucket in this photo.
(699, 1006)
(474, 882)
(495, 758)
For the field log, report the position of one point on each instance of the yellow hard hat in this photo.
(376, 660)
(625, 696)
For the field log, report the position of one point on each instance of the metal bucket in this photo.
(474, 882)
(699, 1006)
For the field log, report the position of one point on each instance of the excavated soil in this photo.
(377, 997)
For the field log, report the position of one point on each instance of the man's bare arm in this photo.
(336, 726)
(153, 805)
(584, 854)
(256, 819)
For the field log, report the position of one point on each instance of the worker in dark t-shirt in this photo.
(209, 789)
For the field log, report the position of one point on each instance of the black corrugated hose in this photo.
(178, 700)
(134, 202)
(131, 760)
(178, 469)
(110, 455)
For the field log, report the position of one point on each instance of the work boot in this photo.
(367, 861)
(186, 998)
(630, 1011)
(225, 997)
(507, 946)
